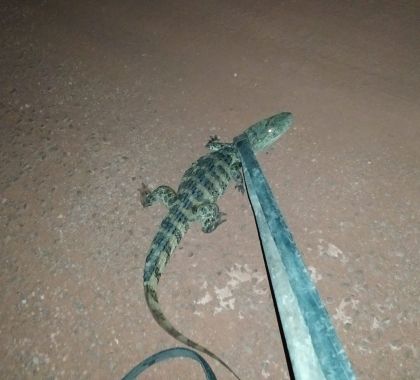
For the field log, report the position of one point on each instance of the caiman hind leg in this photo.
(209, 216)
(162, 194)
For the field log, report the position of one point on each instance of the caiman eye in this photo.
(270, 130)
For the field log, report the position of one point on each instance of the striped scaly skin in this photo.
(195, 201)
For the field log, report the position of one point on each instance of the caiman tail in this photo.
(171, 231)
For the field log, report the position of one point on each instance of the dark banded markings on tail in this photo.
(159, 238)
(158, 314)
(163, 257)
(159, 244)
(180, 221)
(172, 228)
(151, 292)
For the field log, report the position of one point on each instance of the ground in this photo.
(98, 97)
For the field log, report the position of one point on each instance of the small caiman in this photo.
(195, 201)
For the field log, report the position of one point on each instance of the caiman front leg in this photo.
(236, 174)
(162, 194)
(209, 216)
(215, 144)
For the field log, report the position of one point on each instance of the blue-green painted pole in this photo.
(314, 348)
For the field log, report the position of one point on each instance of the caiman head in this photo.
(264, 133)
